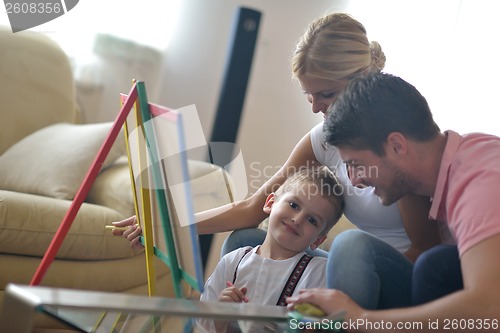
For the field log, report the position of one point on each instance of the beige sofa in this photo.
(44, 155)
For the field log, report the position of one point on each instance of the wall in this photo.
(448, 49)
(276, 114)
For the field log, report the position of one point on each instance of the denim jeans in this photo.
(253, 237)
(437, 273)
(373, 273)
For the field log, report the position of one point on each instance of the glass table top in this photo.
(112, 321)
(90, 311)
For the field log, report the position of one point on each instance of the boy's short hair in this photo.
(322, 181)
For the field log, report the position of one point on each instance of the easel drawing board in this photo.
(157, 152)
(164, 187)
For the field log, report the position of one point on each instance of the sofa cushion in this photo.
(54, 160)
(107, 275)
(112, 188)
(28, 223)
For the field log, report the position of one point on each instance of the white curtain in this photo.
(110, 43)
(448, 49)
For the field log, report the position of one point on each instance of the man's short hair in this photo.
(375, 105)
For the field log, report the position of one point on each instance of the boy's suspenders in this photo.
(292, 281)
(236, 269)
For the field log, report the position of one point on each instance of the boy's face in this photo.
(297, 220)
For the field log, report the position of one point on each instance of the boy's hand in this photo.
(233, 294)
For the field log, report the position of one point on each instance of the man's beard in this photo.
(400, 186)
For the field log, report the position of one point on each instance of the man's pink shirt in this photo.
(467, 194)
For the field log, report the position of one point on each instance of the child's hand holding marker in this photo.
(128, 228)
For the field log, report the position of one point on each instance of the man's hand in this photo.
(330, 301)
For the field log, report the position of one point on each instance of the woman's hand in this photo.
(132, 232)
(331, 301)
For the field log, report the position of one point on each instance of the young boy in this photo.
(301, 212)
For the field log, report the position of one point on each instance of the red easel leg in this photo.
(84, 189)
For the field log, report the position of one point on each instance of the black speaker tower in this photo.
(232, 95)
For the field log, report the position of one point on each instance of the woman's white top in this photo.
(362, 206)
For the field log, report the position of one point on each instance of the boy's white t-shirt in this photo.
(263, 277)
(362, 206)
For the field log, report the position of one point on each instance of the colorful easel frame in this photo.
(145, 114)
(161, 172)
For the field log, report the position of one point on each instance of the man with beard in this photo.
(382, 122)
